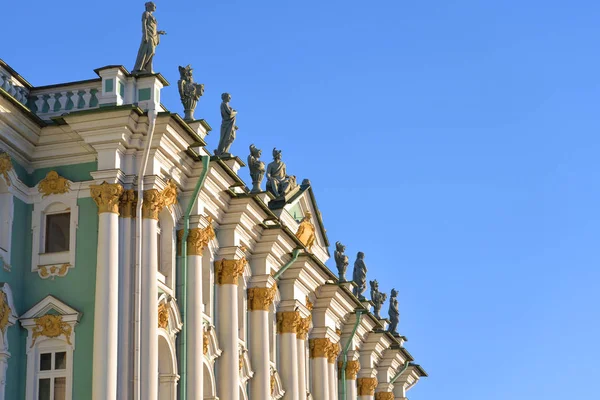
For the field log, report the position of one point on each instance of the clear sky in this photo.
(454, 142)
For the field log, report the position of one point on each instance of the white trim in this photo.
(6, 223)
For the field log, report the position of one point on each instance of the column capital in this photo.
(155, 201)
(287, 321)
(228, 271)
(261, 298)
(127, 203)
(319, 347)
(333, 352)
(366, 386)
(106, 196)
(352, 368)
(197, 240)
(384, 396)
(303, 327)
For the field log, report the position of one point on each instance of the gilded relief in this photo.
(53, 183)
(51, 326)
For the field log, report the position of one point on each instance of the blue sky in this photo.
(454, 142)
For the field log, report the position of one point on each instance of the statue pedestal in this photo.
(367, 304)
(200, 126)
(348, 285)
(385, 323)
(233, 162)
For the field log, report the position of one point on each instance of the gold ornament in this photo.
(51, 326)
(309, 305)
(384, 396)
(53, 184)
(287, 321)
(333, 352)
(205, 341)
(241, 361)
(352, 368)
(106, 196)
(47, 271)
(261, 298)
(197, 240)
(306, 232)
(5, 312)
(5, 167)
(228, 271)
(319, 347)
(303, 328)
(155, 201)
(366, 386)
(272, 382)
(163, 315)
(127, 203)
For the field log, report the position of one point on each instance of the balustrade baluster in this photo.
(75, 98)
(51, 102)
(63, 101)
(39, 103)
(87, 96)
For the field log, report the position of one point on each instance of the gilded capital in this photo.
(197, 240)
(127, 203)
(303, 327)
(334, 351)
(366, 386)
(384, 396)
(319, 347)
(260, 299)
(287, 321)
(5, 167)
(53, 184)
(352, 368)
(155, 201)
(228, 271)
(107, 197)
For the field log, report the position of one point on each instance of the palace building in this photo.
(136, 264)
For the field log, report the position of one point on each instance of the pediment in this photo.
(51, 305)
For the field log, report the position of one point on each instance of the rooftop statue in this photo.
(394, 313)
(150, 39)
(189, 91)
(306, 231)
(228, 127)
(257, 168)
(359, 276)
(278, 182)
(341, 261)
(377, 298)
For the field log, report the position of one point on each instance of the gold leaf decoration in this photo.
(163, 315)
(5, 166)
(306, 232)
(53, 183)
(51, 326)
(5, 312)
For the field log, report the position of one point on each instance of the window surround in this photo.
(43, 344)
(53, 264)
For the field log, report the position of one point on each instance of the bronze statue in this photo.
(341, 261)
(257, 168)
(278, 182)
(150, 39)
(189, 92)
(394, 313)
(377, 298)
(228, 127)
(359, 276)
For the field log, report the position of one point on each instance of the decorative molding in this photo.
(52, 271)
(384, 396)
(319, 347)
(163, 315)
(51, 326)
(5, 166)
(155, 201)
(260, 299)
(228, 271)
(198, 239)
(303, 327)
(366, 386)
(106, 196)
(8, 316)
(306, 232)
(352, 368)
(53, 183)
(205, 341)
(333, 352)
(287, 321)
(127, 203)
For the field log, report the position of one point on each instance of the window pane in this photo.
(60, 360)
(57, 232)
(45, 362)
(44, 389)
(60, 388)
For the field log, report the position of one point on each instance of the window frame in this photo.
(53, 348)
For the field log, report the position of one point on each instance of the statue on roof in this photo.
(341, 261)
(306, 231)
(278, 182)
(257, 168)
(150, 39)
(394, 313)
(228, 127)
(189, 91)
(359, 276)
(377, 298)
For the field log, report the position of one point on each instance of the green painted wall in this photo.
(74, 173)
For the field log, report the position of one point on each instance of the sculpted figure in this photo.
(377, 298)
(189, 92)
(359, 276)
(394, 313)
(228, 127)
(278, 182)
(306, 231)
(341, 261)
(257, 168)
(150, 39)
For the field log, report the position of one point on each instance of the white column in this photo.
(319, 348)
(228, 380)
(352, 368)
(106, 309)
(4, 356)
(301, 347)
(260, 300)
(195, 330)
(126, 353)
(333, 384)
(287, 322)
(399, 391)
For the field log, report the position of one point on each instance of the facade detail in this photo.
(99, 184)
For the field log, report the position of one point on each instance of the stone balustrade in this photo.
(13, 87)
(54, 101)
